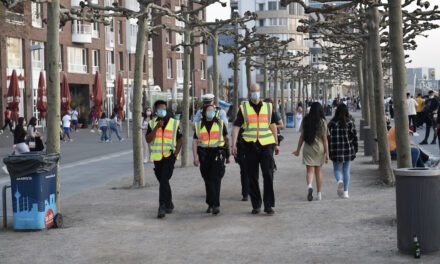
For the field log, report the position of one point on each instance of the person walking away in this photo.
(94, 117)
(420, 101)
(208, 99)
(412, 112)
(298, 116)
(343, 146)
(114, 127)
(74, 114)
(430, 108)
(146, 118)
(103, 123)
(257, 119)
(315, 152)
(20, 145)
(66, 126)
(166, 140)
(211, 150)
(8, 121)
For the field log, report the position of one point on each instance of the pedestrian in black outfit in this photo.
(211, 148)
(166, 140)
(257, 118)
(431, 107)
(241, 160)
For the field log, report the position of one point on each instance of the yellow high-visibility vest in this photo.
(256, 126)
(212, 139)
(165, 140)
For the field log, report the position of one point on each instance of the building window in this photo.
(121, 61)
(202, 49)
(14, 53)
(168, 37)
(179, 40)
(282, 22)
(120, 39)
(95, 61)
(273, 21)
(261, 22)
(15, 15)
(36, 15)
(95, 30)
(76, 60)
(272, 5)
(179, 64)
(261, 7)
(37, 56)
(201, 15)
(281, 7)
(110, 66)
(169, 68)
(202, 69)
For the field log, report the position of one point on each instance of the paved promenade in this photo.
(113, 223)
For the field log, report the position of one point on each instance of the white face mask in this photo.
(148, 112)
(431, 96)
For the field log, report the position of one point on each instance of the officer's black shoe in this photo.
(433, 142)
(169, 210)
(256, 211)
(269, 211)
(161, 213)
(215, 210)
(424, 142)
(209, 210)
(245, 199)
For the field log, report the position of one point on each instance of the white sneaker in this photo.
(145, 161)
(346, 195)
(71, 140)
(319, 196)
(93, 131)
(340, 188)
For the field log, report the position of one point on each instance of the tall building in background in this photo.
(421, 80)
(86, 48)
(275, 21)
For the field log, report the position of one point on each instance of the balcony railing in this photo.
(77, 68)
(111, 71)
(109, 39)
(14, 18)
(81, 33)
(95, 69)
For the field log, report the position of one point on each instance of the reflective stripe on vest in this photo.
(165, 140)
(212, 139)
(257, 126)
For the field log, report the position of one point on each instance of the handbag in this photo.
(31, 144)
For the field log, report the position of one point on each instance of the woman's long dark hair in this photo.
(33, 121)
(313, 122)
(341, 115)
(204, 119)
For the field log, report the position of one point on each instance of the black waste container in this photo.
(361, 129)
(418, 208)
(368, 151)
(33, 188)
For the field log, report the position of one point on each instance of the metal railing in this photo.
(82, 29)
(14, 18)
(77, 68)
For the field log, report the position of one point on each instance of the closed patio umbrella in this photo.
(13, 96)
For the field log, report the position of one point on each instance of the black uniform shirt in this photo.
(166, 119)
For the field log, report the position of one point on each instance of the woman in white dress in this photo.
(299, 116)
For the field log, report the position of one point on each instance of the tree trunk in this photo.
(275, 89)
(236, 100)
(385, 167)
(53, 87)
(265, 78)
(292, 95)
(324, 90)
(248, 72)
(186, 77)
(141, 41)
(282, 111)
(370, 81)
(299, 91)
(366, 90)
(215, 66)
(361, 87)
(399, 84)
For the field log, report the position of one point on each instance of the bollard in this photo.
(418, 210)
(5, 211)
(361, 130)
(368, 150)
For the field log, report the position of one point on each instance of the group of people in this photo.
(26, 137)
(253, 143)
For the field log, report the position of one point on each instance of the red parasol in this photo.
(120, 98)
(97, 95)
(41, 97)
(65, 94)
(13, 97)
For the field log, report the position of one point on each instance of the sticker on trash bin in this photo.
(48, 218)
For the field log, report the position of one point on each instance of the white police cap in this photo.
(208, 97)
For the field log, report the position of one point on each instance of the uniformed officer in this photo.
(260, 136)
(208, 99)
(211, 149)
(166, 140)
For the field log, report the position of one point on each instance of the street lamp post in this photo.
(193, 90)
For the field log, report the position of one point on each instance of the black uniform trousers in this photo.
(429, 120)
(241, 158)
(260, 156)
(164, 171)
(212, 168)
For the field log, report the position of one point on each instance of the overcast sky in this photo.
(426, 55)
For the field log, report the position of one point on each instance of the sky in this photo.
(427, 53)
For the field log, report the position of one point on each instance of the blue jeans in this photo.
(416, 158)
(114, 128)
(104, 133)
(342, 169)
